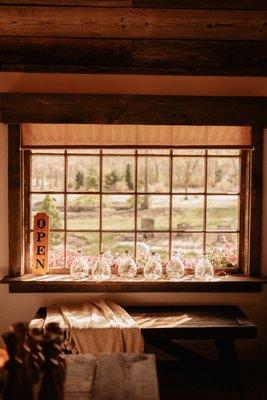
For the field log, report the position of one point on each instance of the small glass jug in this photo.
(204, 269)
(153, 268)
(79, 268)
(175, 268)
(127, 267)
(101, 269)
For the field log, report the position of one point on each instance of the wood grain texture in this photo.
(186, 57)
(80, 3)
(64, 284)
(201, 57)
(67, 51)
(203, 322)
(255, 233)
(92, 22)
(209, 4)
(14, 202)
(135, 381)
(133, 109)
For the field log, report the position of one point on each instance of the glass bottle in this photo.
(175, 268)
(101, 270)
(204, 269)
(79, 268)
(127, 267)
(153, 268)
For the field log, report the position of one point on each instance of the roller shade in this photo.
(76, 135)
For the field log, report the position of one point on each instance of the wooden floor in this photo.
(186, 383)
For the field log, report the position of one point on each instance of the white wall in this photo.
(15, 307)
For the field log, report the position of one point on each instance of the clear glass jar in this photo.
(101, 269)
(175, 268)
(79, 267)
(204, 269)
(153, 268)
(127, 267)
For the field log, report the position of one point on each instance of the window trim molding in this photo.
(18, 108)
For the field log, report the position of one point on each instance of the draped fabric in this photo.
(73, 135)
(97, 327)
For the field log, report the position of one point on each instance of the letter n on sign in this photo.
(40, 262)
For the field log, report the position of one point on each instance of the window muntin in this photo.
(117, 199)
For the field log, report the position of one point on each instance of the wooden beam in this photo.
(186, 57)
(194, 57)
(208, 4)
(14, 202)
(197, 4)
(132, 109)
(48, 53)
(80, 3)
(64, 284)
(255, 238)
(92, 22)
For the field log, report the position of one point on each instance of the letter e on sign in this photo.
(40, 257)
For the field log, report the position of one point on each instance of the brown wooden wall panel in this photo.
(64, 51)
(184, 57)
(209, 4)
(133, 109)
(81, 3)
(201, 57)
(133, 23)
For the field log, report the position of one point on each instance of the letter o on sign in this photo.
(41, 223)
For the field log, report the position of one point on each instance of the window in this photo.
(100, 199)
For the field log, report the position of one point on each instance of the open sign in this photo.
(40, 257)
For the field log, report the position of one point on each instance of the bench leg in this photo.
(229, 362)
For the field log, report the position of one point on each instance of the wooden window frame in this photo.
(243, 156)
(19, 169)
(18, 108)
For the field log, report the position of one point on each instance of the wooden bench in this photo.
(163, 326)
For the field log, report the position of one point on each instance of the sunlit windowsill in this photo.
(56, 283)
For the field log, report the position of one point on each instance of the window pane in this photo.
(51, 204)
(118, 151)
(118, 242)
(222, 249)
(83, 173)
(190, 245)
(188, 174)
(189, 152)
(118, 212)
(83, 151)
(223, 175)
(153, 174)
(47, 173)
(222, 213)
(187, 212)
(48, 151)
(224, 152)
(153, 212)
(158, 242)
(154, 151)
(56, 250)
(83, 211)
(86, 242)
(118, 174)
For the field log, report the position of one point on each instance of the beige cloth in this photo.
(97, 327)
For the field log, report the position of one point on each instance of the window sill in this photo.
(64, 284)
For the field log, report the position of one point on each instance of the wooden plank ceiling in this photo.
(188, 37)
